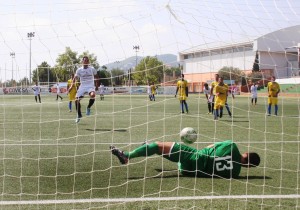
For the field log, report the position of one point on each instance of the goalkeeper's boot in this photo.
(88, 111)
(120, 154)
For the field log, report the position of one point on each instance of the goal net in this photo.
(49, 161)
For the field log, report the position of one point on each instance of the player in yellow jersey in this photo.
(182, 90)
(273, 91)
(153, 91)
(221, 91)
(213, 92)
(72, 92)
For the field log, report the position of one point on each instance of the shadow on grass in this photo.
(173, 173)
(232, 120)
(102, 129)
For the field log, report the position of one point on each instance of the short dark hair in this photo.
(182, 75)
(253, 159)
(205, 84)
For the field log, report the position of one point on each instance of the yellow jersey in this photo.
(74, 88)
(153, 89)
(273, 89)
(213, 85)
(182, 86)
(222, 90)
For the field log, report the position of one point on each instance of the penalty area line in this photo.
(116, 200)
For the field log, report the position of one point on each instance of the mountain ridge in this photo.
(129, 63)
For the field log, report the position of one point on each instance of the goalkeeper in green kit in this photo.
(221, 159)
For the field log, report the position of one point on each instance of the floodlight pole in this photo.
(30, 35)
(12, 54)
(136, 48)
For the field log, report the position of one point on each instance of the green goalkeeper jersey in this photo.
(223, 159)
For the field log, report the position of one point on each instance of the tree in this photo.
(104, 75)
(43, 73)
(150, 69)
(255, 67)
(66, 64)
(170, 71)
(255, 76)
(24, 81)
(92, 58)
(231, 73)
(117, 76)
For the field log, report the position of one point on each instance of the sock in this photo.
(186, 106)
(181, 106)
(78, 108)
(269, 109)
(255, 100)
(91, 102)
(70, 105)
(209, 107)
(216, 111)
(35, 98)
(276, 109)
(228, 109)
(143, 151)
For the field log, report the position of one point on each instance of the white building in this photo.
(278, 54)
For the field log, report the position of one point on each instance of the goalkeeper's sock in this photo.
(91, 102)
(276, 109)
(70, 105)
(269, 109)
(143, 151)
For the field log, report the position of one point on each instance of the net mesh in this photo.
(47, 160)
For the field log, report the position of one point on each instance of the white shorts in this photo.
(82, 90)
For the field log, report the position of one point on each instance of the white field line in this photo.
(115, 200)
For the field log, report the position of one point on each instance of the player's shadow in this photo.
(103, 129)
(173, 173)
(254, 177)
(232, 120)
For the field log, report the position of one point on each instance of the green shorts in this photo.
(189, 159)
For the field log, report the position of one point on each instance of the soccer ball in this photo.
(188, 135)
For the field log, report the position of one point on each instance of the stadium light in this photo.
(30, 35)
(136, 48)
(12, 54)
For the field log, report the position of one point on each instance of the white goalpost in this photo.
(49, 161)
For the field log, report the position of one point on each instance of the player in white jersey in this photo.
(37, 92)
(253, 90)
(149, 91)
(58, 92)
(101, 87)
(88, 84)
(209, 97)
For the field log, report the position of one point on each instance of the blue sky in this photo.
(110, 29)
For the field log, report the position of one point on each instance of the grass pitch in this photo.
(46, 157)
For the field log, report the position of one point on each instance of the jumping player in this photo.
(88, 84)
